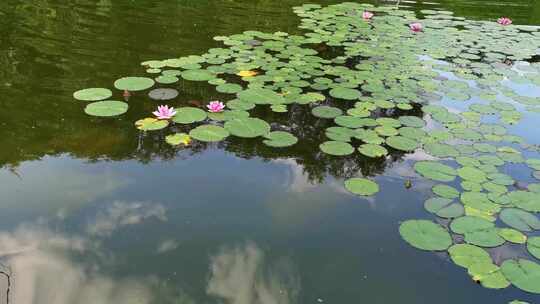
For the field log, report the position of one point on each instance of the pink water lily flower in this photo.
(367, 15)
(504, 21)
(164, 112)
(416, 27)
(215, 106)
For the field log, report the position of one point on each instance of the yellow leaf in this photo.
(246, 73)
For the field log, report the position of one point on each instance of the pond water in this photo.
(94, 211)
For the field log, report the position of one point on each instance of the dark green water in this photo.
(91, 211)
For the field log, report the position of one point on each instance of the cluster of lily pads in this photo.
(358, 66)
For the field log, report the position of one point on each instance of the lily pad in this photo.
(163, 94)
(372, 150)
(280, 139)
(92, 94)
(512, 235)
(337, 148)
(209, 133)
(106, 108)
(326, 112)
(425, 235)
(489, 275)
(197, 75)
(523, 274)
(247, 127)
(533, 246)
(519, 219)
(402, 143)
(151, 124)
(435, 171)
(361, 186)
(261, 96)
(445, 191)
(466, 255)
(134, 83)
(345, 93)
(189, 115)
(177, 139)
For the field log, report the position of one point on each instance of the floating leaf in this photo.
(372, 150)
(163, 94)
(466, 255)
(177, 139)
(512, 235)
(261, 96)
(425, 235)
(151, 124)
(337, 148)
(230, 88)
(444, 207)
(326, 112)
(280, 139)
(533, 246)
(361, 186)
(435, 171)
(134, 83)
(92, 94)
(402, 143)
(106, 108)
(247, 127)
(519, 219)
(197, 75)
(523, 274)
(345, 93)
(489, 275)
(445, 191)
(188, 115)
(209, 133)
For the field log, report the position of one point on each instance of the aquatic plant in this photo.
(164, 112)
(504, 21)
(215, 106)
(376, 91)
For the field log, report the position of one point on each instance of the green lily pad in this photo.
(402, 143)
(230, 88)
(345, 93)
(361, 186)
(467, 224)
(425, 235)
(443, 207)
(247, 127)
(106, 108)
(528, 201)
(197, 75)
(337, 148)
(533, 246)
(280, 139)
(472, 174)
(92, 94)
(326, 112)
(435, 171)
(445, 191)
(261, 96)
(523, 274)
(489, 275)
(189, 115)
(512, 235)
(372, 150)
(209, 133)
(177, 139)
(466, 255)
(134, 83)
(519, 219)
(151, 124)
